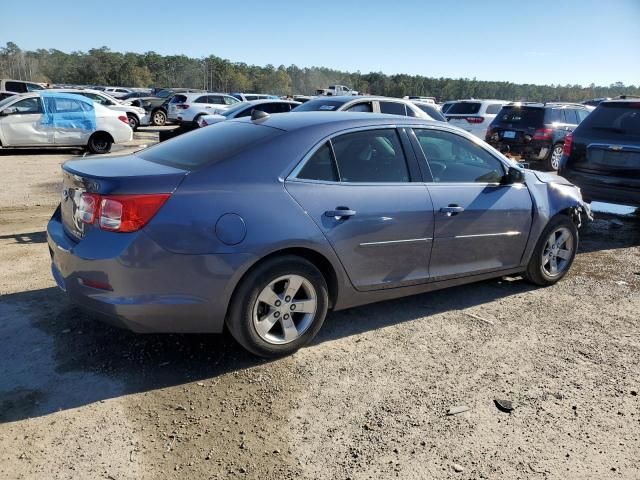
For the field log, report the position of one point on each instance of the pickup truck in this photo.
(336, 90)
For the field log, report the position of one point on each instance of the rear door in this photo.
(480, 224)
(72, 121)
(364, 192)
(25, 127)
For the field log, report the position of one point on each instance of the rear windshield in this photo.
(178, 98)
(464, 108)
(208, 145)
(319, 104)
(521, 116)
(616, 117)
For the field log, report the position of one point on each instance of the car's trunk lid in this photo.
(111, 176)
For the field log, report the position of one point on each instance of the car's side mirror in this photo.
(8, 111)
(513, 175)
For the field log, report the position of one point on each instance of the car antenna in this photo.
(258, 115)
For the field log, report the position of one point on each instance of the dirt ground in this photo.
(367, 400)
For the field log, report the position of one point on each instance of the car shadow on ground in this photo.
(26, 238)
(56, 357)
(608, 232)
(6, 151)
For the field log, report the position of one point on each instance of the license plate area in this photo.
(509, 134)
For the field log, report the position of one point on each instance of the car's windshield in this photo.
(431, 111)
(320, 104)
(236, 108)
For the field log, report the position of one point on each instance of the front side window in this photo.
(393, 108)
(28, 105)
(370, 156)
(202, 99)
(230, 100)
(452, 158)
(17, 87)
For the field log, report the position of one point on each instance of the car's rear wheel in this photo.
(279, 306)
(134, 123)
(100, 142)
(554, 253)
(158, 118)
(552, 162)
(196, 120)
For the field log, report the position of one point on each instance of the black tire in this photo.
(551, 163)
(240, 320)
(134, 123)
(196, 120)
(536, 272)
(100, 142)
(158, 118)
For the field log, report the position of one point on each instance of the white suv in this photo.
(189, 107)
(474, 116)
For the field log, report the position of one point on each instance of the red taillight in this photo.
(542, 134)
(182, 106)
(120, 213)
(568, 141)
(475, 119)
(123, 118)
(95, 284)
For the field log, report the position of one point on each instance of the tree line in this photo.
(101, 66)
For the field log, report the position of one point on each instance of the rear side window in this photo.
(393, 108)
(202, 99)
(464, 108)
(521, 116)
(570, 116)
(320, 166)
(370, 156)
(215, 99)
(361, 107)
(493, 109)
(554, 115)
(209, 145)
(17, 87)
(621, 118)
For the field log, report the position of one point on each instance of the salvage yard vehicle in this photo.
(247, 97)
(474, 116)
(535, 131)
(393, 106)
(117, 92)
(19, 86)
(246, 109)
(50, 119)
(189, 107)
(156, 106)
(602, 155)
(266, 223)
(336, 91)
(137, 116)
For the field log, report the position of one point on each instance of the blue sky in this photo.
(538, 41)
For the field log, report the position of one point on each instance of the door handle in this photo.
(452, 210)
(340, 212)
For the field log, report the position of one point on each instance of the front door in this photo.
(24, 127)
(481, 225)
(358, 189)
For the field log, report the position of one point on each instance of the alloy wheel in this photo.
(557, 252)
(556, 155)
(285, 309)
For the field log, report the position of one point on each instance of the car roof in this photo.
(270, 100)
(298, 120)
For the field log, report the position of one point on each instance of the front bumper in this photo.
(149, 288)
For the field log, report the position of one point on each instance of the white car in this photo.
(474, 116)
(417, 98)
(245, 109)
(117, 92)
(336, 91)
(19, 86)
(50, 119)
(137, 116)
(189, 107)
(247, 97)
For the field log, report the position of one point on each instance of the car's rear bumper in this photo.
(533, 150)
(130, 281)
(605, 189)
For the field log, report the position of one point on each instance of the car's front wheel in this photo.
(279, 306)
(554, 252)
